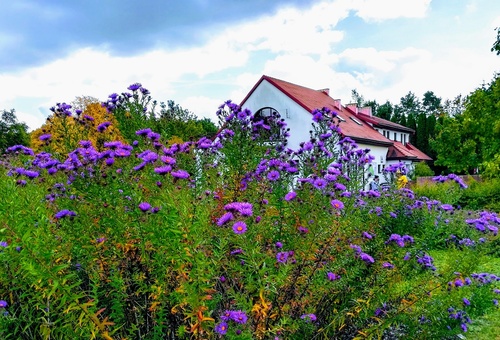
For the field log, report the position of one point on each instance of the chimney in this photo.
(353, 107)
(367, 110)
(337, 104)
(325, 91)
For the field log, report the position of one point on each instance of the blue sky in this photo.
(200, 53)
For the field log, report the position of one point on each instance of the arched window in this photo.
(266, 121)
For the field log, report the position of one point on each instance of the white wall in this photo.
(297, 118)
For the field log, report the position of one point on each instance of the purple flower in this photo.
(367, 258)
(3, 304)
(64, 213)
(163, 170)
(3, 244)
(144, 206)
(464, 327)
(337, 204)
(446, 207)
(308, 317)
(239, 317)
(45, 137)
(273, 175)
(236, 251)
(290, 196)
(279, 245)
(103, 126)
(282, 257)
(466, 302)
(180, 174)
(134, 87)
(221, 328)
(387, 265)
(367, 235)
(240, 227)
(143, 132)
(332, 276)
(303, 230)
(224, 219)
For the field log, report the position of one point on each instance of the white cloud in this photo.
(378, 10)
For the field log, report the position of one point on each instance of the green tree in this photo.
(496, 45)
(12, 132)
(470, 139)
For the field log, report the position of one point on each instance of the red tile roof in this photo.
(407, 151)
(383, 123)
(311, 99)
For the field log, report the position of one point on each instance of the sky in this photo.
(200, 53)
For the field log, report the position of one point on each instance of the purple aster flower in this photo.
(464, 327)
(367, 235)
(339, 186)
(303, 230)
(64, 213)
(3, 244)
(466, 302)
(221, 328)
(387, 265)
(319, 183)
(407, 256)
(367, 258)
(45, 137)
(144, 206)
(239, 316)
(337, 204)
(495, 302)
(282, 257)
(180, 174)
(308, 317)
(143, 132)
(239, 227)
(224, 219)
(446, 207)
(290, 196)
(236, 251)
(279, 245)
(393, 215)
(332, 276)
(103, 126)
(163, 170)
(273, 175)
(134, 87)
(3, 304)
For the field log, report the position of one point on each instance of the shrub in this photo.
(422, 169)
(236, 236)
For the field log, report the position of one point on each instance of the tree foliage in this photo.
(471, 139)
(12, 132)
(137, 110)
(69, 124)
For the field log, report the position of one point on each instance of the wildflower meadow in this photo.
(232, 237)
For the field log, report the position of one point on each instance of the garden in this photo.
(237, 237)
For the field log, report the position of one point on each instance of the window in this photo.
(266, 122)
(356, 121)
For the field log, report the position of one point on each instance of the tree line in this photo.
(461, 135)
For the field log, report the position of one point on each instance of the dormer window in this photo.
(356, 121)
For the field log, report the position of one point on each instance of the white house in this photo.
(388, 142)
